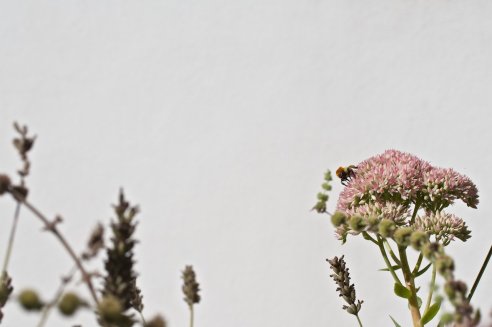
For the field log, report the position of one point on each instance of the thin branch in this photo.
(482, 270)
(52, 228)
(56, 298)
(11, 238)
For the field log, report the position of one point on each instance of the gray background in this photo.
(219, 119)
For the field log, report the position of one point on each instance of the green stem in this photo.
(10, 245)
(386, 260)
(432, 286)
(407, 274)
(392, 254)
(415, 210)
(482, 270)
(417, 265)
(358, 319)
(369, 238)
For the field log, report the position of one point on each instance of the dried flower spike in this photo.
(346, 290)
(190, 286)
(190, 289)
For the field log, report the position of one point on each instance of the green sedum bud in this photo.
(432, 250)
(418, 239)
(402, 236)
(110, 309)
(445, 265)
(30, 300)
(338, 218)
(69, 304)
(373, 223)
(387, 227)
(356, 223)
(323, 197)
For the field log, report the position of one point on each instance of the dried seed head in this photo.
(4, 183)
(346, 290)
(95, 243)
(157, 321)
(190, 286)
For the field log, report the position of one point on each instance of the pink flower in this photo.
(444, 186)
(399, 178)
(444, 226)
(391, 176)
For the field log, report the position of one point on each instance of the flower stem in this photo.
(10, 245)
(386, 260)
(358, 319)
(415, 210)
(432, 286)
(191, 316)
(392, 254)
(417, 264)
(409, 280)
(482, 270)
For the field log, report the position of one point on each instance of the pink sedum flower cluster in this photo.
(404, 179)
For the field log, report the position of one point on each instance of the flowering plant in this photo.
(397, 201)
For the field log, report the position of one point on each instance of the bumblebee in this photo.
(346, 173)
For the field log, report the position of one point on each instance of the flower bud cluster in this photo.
(323, 197)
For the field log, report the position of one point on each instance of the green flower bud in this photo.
(445, 265)
(328, 177)
(69, 304)
(431, 250)
(323, 197)
(338, 218)
(387, 227)
(402, 236)
(373, 223)
(326, 186)
(30, 300)
(418, 239)
(110, 309)
(447, 318)
(357, 223)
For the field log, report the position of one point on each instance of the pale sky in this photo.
(219, 119)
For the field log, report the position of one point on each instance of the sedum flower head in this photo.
(444, 186)
(444, 226)
(391, 176)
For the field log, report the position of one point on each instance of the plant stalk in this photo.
(409, 281)
(479, 276)
(386, 260)
(10, 245)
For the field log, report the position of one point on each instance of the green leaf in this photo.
(402, 291)
(421, 272)
(395, 267)
(419, 301)
(394, 321)
(430, 313)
